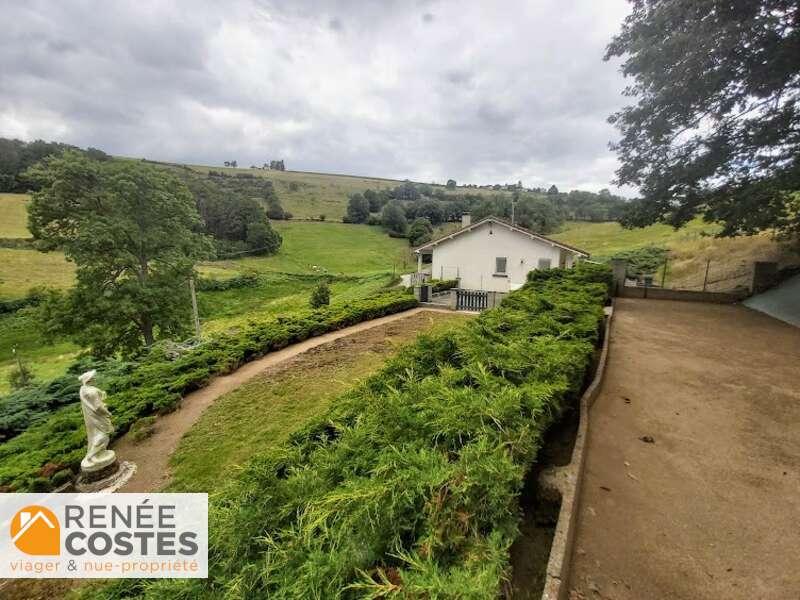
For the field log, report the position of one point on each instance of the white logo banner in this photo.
(104, 535)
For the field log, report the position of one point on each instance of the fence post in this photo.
(664, 273)
(619, 267)
(705, 278)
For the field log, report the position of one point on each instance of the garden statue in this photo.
(98, 426)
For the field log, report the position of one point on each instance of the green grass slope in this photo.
(14, 216)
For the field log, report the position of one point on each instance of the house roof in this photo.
(504, 223)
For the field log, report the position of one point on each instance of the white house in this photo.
(494, 255)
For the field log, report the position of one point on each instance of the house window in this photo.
(544, 263)
(500, 265)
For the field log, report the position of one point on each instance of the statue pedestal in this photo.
(106, 479)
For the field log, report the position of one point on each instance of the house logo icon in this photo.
(35, 530)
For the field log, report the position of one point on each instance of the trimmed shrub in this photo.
(409, 485)
(220, 285)
(320, 296)
(440, 285)
(157, 382)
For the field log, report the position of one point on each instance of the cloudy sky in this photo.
(480, 91)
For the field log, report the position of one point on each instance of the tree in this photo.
(430, 209)
(357, 209)
(393, 217)
(553, 191)
(320, 296)
(406, 191)
(716, 126)
(132, 232)
(420, 231)
(451, 184)
(262, 239)
(376, 200)
(275, 209)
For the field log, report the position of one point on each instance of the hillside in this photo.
(690, 247)
(307, 195)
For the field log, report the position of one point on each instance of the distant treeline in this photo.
(16, 156)
(412, 210)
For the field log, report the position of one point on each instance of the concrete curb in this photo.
(567, 480)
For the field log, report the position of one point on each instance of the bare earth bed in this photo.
(710, 509)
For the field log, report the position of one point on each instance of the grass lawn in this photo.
(264, 411)
(329, 247)
(277, 293)
(14, 216)
(310, 251)
(320, 248)
(23, 268)
(47, 359)
(603, 240)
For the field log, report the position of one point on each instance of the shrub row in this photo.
(37, 458)
(25, 407)
(219, 285)
(11, 306)
(16, 243)
(440, 285)
(409, 486)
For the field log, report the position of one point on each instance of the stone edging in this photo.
(567, 481)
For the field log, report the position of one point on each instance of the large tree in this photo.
(132, 232)
(716, 124)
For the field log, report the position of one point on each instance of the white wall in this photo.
(471, 256)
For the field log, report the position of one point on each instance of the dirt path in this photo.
(152, 455)
(711, 509)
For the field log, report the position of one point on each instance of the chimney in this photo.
(466, 220)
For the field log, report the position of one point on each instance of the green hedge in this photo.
(440, 285)
(220, 285)
(157, 383)
(409, 486)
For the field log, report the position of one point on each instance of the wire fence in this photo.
(698, 274)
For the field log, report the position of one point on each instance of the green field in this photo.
(14, 216)
(329, 248)
(360, 260)
(22, 269)
(604, 240)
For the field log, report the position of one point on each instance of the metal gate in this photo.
(471, 300)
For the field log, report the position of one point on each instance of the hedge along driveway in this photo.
(409, 485)
(157, 383)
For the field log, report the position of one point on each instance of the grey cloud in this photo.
(397, 92)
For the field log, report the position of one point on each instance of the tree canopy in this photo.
(132, 231)
(357, 209)
(237, 222)
(716, 124)
(393, 218)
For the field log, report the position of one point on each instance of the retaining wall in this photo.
(567, 482)
(686, 295)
